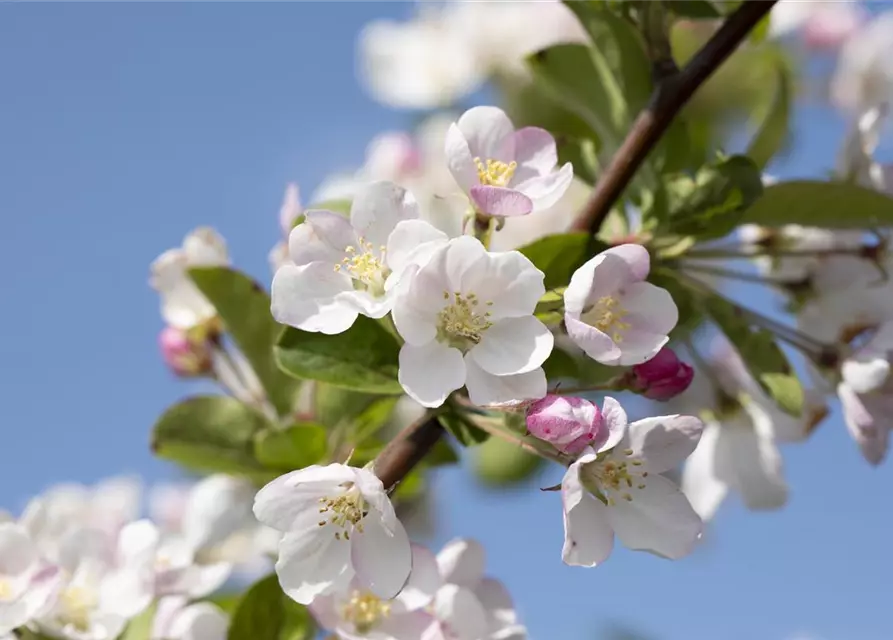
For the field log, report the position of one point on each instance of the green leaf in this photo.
(711, 205)
(462, 428)
(558, 256)
(227, 601)
(244, 307)
(363, 358)
(296, 447)
(210, 433)
(832, 205)
(441, 454)
(368, 422)
(140, 626)
(759, 351)
(560, 365)
(695, 9)
(334, 404)
(266, 613)
(498, 463)
(583, 156)
(774, 128)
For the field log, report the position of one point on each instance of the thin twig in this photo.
(669, 96)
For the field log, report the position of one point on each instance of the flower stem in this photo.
(733, 275)
(669, 96)
(495, 427)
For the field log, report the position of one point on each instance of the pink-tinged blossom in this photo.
(505, 172)
(467, 319)
(662, 377)
(185, 356)
(617, 489)
(27, 583)
(869, 420)
(612, 313)
(570, 424)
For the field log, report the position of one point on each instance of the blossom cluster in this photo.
(79, 563)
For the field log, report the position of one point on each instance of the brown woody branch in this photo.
(670, 95)
(406, 450)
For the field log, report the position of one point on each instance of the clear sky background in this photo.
(123, 126)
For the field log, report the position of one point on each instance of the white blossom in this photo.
(338, 523)
(342, 268)
(176, 619)
(618, 490)
(467, 319)
(28, 584)
(864, 75)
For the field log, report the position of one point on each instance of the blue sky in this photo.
(123, 126)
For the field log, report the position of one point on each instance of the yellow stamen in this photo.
(495, 173)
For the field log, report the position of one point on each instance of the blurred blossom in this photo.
(864, 75)
(822, 25)
(176, 619)
(183, 355)
(28, 584)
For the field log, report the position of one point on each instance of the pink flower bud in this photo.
(569, 424)
(185, 356)
(663, 377)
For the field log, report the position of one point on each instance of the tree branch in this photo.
(669, 96)
(407, 449)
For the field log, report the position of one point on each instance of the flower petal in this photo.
(286, 500)
(545, 191)
(659, 519)
(497, 603)
(17, 552)
(489, 133)
(413, 242)
(306, 298)
(751, 464)
(596, 344)
(377, 208)
(664, 442)
(460, 159)
(322, 237)
(588, 537)
(513, 345)
(649, 308)
(200, 621)
(204, 247)
(461, 561)
(612, 273)
(508, 280)
(535, 152)
(486, 389)
(704, 490)
(500, 201)
(423, 583)
(635, 256)
(615, 424)
(312, 563)
(382, 560)
(863, 422)
(460, 613)
(431, 372)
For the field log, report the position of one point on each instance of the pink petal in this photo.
(500, 201)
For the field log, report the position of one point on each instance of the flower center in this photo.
(6, 590)
(495, 173)
(607, 315)
(77, 605)
(459, 323)
(365, 610)
(613, 475)
(346, 512)
(364, 264)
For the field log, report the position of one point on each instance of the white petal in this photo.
(663, 443)
(649, 308)
(600, 276)
(200, 621)
(596, 344)
(489, 132)
(204, 247)
(364, 302)
(323, 237)
(703, 489)
(18, 553)
(615, 422)
(461, 561)
(487, 389)
(423, 583)
(378, 207)
(508, 280)
(513, 345)
(312, 564)
(306, 298)
(413, 242)
(588, 537)
(460, 613)
(751, 464)
(864, 373)
(497, 603)
(635, 256)
(375, 496)
(460, 160)
(217, 506)
(287, 499)
(545, 191)
(382, 561)
(431, 372)
(659, 519)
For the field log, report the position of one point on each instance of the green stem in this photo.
(496, 427)
(757, 251)
(732, 275)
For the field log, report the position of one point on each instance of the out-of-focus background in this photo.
(123, 126)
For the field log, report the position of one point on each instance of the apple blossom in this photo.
(505, 172)
(864, 75)
(823, 25)
(27, 583)
(612, 313)
(183, 355)
(467, 319)
(344, 268)
(570, 424)
(618, 489)
(289, 213)
(176, 619)
(869, 419)
(182, 304)
(338, 523)
(662, 377)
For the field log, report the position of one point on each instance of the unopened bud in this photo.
(569, 424)
(186, 355)
(663, 377)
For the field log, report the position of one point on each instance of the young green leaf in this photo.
(558, 256)
(210, 433)
(773, 131)
(832, 205)
(244, 307)
(462, 428)
(140, 626)
(266, 613)
(363, 358)
(296, 447)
